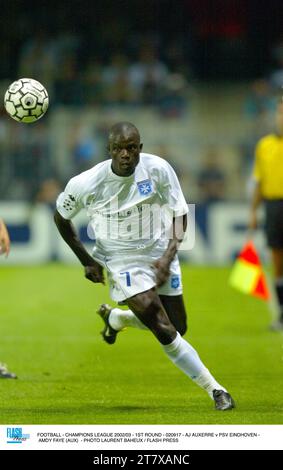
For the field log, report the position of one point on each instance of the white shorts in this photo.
(136, 274)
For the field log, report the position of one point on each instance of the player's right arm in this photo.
(93, 270)
(68, 205)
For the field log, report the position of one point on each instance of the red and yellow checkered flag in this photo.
(247, 274)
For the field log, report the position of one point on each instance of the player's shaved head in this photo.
(124, 148)
(123, 128)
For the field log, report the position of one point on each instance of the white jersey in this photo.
(123, 210)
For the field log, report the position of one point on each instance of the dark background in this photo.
(221, 39)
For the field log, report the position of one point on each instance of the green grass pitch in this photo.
(67, 375)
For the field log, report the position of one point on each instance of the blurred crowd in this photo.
(85, 64)
(29, 169)
(79, 79)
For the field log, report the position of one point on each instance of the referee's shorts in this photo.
(274, 222)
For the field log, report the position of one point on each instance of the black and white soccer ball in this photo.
(26, 100)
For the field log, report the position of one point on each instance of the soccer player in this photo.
(5, 249)
(268, 188)
(126, 192)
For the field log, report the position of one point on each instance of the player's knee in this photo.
(146, 303)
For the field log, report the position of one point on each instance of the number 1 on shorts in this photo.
(128, 278)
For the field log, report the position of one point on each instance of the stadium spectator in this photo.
(268, 188)
(115, 77)
(68, 89)
(259, 106)
(93, 90)
(259, 100)
(38, 59)
(5, 249)
(211, 178)
(172, 100)
(30, 159)
(84, 149)
(48, 192)
(147, 75)
(276, 77)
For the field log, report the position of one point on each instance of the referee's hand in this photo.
(94, 273)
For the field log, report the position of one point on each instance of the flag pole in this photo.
(273, 305)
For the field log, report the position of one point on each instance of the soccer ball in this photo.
(26, 100)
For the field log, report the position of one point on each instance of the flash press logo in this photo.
(16, 436)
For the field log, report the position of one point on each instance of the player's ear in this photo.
(141, 146)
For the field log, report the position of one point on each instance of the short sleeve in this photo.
(69, 202)
(171, 191)
(256, 174)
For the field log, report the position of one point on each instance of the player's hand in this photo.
(95, 273)
(252, 225)
(162, 267)
(4, 239)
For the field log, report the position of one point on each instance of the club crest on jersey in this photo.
(145, 187)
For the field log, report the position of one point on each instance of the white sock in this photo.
(119, 319)
(187, 359)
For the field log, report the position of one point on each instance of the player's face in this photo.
(125, 153)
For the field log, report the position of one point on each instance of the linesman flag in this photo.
(247, 274)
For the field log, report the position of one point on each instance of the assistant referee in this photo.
(268, 188)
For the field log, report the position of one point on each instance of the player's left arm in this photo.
(4, 239)
(162, 265)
